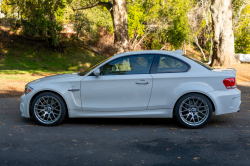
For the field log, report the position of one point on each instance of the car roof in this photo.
(176, 53)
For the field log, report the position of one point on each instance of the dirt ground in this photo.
(14, 88)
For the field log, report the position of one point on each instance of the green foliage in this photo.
(164, 20)
(136, 17)
(242, 30)
(86, 22)
(242, 42)
(178, 29)
(41, 16)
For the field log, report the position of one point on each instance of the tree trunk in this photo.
(53, 34)
(120, 24)
(118, 12)
(184, 47)
(223, 50)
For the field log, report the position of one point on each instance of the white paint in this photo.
(120, 96)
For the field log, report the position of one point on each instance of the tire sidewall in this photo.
(63, 111)
(177, 114)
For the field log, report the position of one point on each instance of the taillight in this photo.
(229, 83)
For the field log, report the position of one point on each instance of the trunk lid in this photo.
(228, 70)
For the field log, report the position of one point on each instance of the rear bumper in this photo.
(226, 101)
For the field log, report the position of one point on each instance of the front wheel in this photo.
(193, 110)
(48, 109)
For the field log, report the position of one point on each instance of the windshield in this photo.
(83, 73)
(200, 63)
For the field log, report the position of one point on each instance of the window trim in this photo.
(156, 61)
(101, 67)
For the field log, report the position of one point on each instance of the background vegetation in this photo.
(152, 24)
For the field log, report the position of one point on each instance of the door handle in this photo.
(142, 82)
(73, 90)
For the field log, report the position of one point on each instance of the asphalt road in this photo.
(124, 142)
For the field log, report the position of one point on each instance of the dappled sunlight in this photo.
(87, 64)
(5, 51)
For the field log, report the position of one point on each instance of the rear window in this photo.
(200, 63)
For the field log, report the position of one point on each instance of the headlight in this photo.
(27, 89)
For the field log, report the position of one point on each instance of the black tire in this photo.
(185, 112)
(49, 107)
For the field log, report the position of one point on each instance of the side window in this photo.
(138, 64)
(168, 64)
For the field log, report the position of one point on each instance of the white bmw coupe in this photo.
(142, 84)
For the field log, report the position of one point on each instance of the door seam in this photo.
(151, 91)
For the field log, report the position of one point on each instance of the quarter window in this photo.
(168, 64)
(139, 64)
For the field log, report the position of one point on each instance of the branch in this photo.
(92, 48)
(141, 40)
(164, 45)
(108, 5)
(135, 40)
(197, 43)
(238, 16)
(11, 3)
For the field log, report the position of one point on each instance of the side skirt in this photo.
(159, 113)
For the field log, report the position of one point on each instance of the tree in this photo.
(159, 22)
(195, 20)
(41, 18)
(118, 11)
(223, 36)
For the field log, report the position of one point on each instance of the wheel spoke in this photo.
(196, 102)
(40, 110)
(56, 106)
(184, 110)
(187, 104)
(54, 115)
(195, 116)
(57, 110)
(43, 109)
(41, 102)
(45, 101)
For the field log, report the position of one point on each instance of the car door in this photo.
(168, 73)
(124, 85)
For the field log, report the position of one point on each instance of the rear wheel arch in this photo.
(192, 115)
(196, 93)
(38, 93)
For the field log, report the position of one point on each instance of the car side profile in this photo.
(141, 84)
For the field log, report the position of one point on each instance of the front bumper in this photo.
(24, 105)
(226, 101)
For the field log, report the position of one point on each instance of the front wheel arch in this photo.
(38, 93)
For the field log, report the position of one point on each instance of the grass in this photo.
(34, 58)
(22, 61)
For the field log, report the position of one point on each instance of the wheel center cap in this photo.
(48, 109)
(194, 109)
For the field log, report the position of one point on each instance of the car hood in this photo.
(54, 77)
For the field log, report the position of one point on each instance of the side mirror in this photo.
(97, 72)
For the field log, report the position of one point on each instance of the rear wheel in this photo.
(48, 109)
(193, 110)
